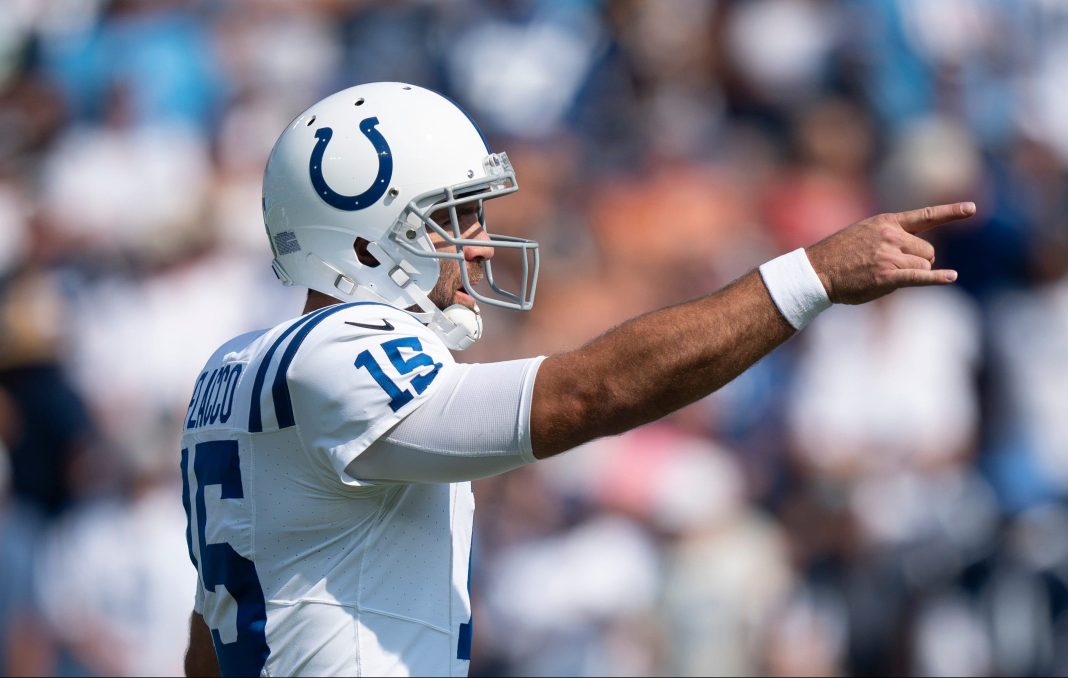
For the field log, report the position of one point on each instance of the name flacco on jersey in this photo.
(213, 396)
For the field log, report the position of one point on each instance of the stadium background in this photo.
(884, 495)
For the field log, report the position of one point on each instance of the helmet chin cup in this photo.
(466, 326)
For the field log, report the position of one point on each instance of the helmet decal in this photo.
(351, 203)
(392, 165)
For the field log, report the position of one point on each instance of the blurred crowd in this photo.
(886, 494)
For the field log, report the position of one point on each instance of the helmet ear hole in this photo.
(363, 254)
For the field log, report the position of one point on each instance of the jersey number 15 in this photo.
(400, 397)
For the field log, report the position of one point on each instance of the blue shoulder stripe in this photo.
(283, 402)
(255, 416)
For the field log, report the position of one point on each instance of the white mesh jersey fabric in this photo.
(476, 424)
(301, 569)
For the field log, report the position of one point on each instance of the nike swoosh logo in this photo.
(386, 325)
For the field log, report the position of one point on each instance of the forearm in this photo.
(653, 365)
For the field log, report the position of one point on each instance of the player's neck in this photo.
(317, 300)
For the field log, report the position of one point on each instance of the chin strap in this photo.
(458, 326)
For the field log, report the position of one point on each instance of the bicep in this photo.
(477, 424)
(200, 659)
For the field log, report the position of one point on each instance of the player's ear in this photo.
(365, 257)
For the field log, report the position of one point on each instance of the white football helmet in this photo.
(375, 161)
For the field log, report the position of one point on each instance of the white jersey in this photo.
(302, 569)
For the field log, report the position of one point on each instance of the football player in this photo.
(327, 461)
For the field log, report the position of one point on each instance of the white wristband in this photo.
(795, 288)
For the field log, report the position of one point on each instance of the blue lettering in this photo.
(213, 396)
(190, 422)
(202, 414)
(228, 396)
(216, 406)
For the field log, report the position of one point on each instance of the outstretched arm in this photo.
(659, 362)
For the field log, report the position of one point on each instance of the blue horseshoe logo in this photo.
(351, 203)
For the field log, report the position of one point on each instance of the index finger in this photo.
(918, 221)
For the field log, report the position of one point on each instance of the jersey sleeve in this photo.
(476, 425)
(360, 373)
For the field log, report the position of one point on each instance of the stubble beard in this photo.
(443, 294)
